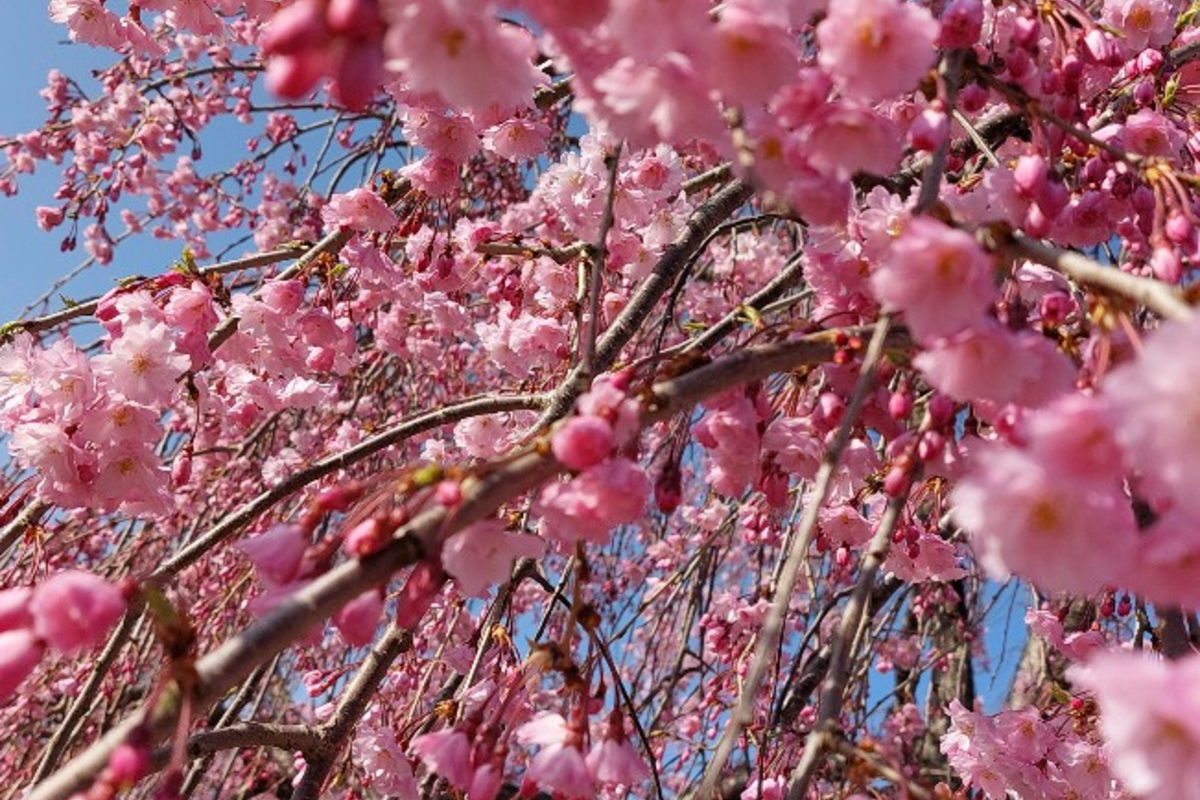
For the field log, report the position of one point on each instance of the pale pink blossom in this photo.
(359, 209)
(876, 49)
(848, 139)
(559, 766)
(448, 753)
(462, 53)
(590, 505)
(482, 555)
(1026, 517)
(990, 363)
(1150, 719)
(89, 22)
(939, 277)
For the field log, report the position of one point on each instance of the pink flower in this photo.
(751, 54)
(75, 610)
(849, 139)
(666, 101)
(20, 652)
(593, 503)
(1150, 719)
(277, 554)
(992, 364)
(559, 766)
(876, 49)
(359, 210)
(1027, 518)
(459, 51)
(144, 364)
(448, 753)
(939, 277)
(89, 22)
(482, 555)
(613, 759)
(1155, 406)
(583, 442)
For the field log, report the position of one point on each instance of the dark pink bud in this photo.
(900, 405)
(941, 411)
(448, 493)
(896, 482)
(365, 538)
(357, 75)
(1179, 228)
(293, 77)
(1025, 31)
(931, 446)
(340, 497)
(972, 98)
(419, 592)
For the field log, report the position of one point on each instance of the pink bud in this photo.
(1030, 174)
(132, 760)
(277, 553)
(900, 405)
(293, 77)
(1179, 228)
(583, 442)
(941, 411)
(74, 610)
(448, 493)
(896, 482)
(1149, 61)
(1166, 264)
(339, 497)
(972, 98)
(929, 130)
(20, 652)
(365, 538)
(419, 592)
(1098, 46)
(359, 618)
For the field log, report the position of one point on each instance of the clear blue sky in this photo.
(30, 260)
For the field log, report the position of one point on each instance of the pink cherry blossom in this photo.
(358, 619)
(359, 210)
(1148, 715)
(583, 442)
(74, 610)
(939, 277)
(876, 49)
(482, 555)
(590, 505)
(448, 753)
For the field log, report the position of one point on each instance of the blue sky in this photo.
(30, 259)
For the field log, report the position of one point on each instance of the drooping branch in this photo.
(493, 486)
